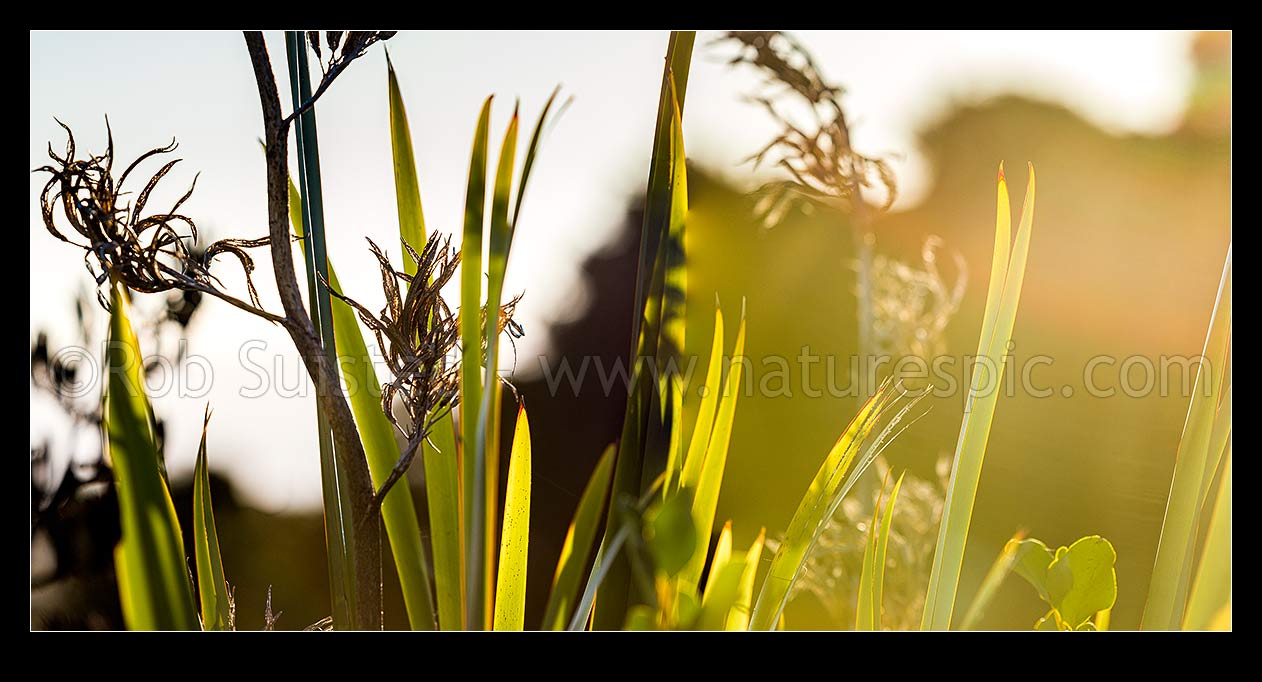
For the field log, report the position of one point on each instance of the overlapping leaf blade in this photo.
(872, 576)
(611, 608)
(710, 477)
(1211, 591)
(1172, 569)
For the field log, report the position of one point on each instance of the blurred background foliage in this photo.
(1131, 235)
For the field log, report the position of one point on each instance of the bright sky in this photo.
(199, 88)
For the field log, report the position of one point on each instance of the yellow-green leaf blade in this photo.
(979, 410)
(709, 404)
(212, 588)
(674, 453)
(442, 493)
(510, 588)
(1211, 591)
(675, 273)
(722, 554)
(1172, 568)
(738, 617)
(722, 592)
(872, 577)
(864, 619)
(407, 190)
(882, 545)
(487, 453)
(710, 481)
(474, 509)
(438, 452)
(154, 584)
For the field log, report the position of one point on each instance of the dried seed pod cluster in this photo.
(148, 253)
(344, 46)
(417, 334)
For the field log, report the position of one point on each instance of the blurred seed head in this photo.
(817, 156)
(833, 568)
(912, 304)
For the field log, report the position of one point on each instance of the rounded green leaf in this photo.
(1081, 580)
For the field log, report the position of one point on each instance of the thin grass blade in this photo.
(442, 493)
(864, 619)
(882, 545)
(674, 455)
(709, 404)
(531, 151)
(867, 608)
